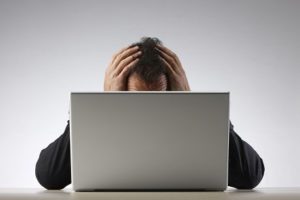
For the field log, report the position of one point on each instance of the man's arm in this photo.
(53, 168)
(246, 168)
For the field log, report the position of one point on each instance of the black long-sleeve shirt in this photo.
(53, 168)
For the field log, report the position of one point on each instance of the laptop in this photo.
(149, 141)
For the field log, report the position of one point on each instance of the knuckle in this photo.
(121, 54)
(114, 76)
(125, 52)
(121, 63)
(118, 56)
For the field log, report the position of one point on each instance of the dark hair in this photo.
(150, 66)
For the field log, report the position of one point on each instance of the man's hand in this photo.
(176, 75)
(117, 72)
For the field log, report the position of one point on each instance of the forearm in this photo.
(53, 168)
(246, 168)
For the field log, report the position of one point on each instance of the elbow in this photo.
(49, 180)
(50, 184)
(250, 181)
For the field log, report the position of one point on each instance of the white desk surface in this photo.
(232, 194)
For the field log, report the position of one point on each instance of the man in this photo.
(147, 66)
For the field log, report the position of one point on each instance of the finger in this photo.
(125, 54)
(126, 61)
(169, 67)
(124, 73)
(167, 51)
(112, 65)
(169, 60)
(119, 52)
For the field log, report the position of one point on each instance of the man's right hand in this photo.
(117, 72)
(176, 75)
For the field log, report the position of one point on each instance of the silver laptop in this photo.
(149, 141)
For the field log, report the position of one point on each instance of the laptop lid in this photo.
(149, 141)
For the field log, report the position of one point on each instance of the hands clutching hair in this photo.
(176, 75)
(117, 72)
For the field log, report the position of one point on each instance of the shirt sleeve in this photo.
(246, 168)
(53, 168)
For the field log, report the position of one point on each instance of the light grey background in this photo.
(250, 48)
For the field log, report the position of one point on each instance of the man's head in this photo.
(149, 73)
(145, 66)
